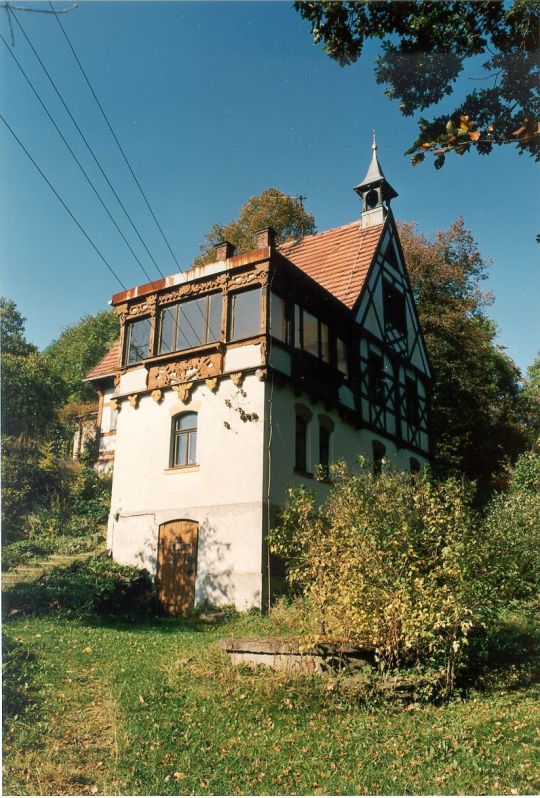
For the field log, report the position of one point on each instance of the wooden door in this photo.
(177, 565)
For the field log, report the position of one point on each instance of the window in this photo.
(137, 341)
(378, 451)
(189, 324)
(411, 402)
(376, 378)
(326, 426)
(342, 361)
(311, 334)
(281, 322)
(300, 458)
(245, 314)
(395, 313)
(184, 440)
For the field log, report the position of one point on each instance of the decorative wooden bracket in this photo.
(115, 404)
(133, 399)
(157, 395)
(212, 384)
(184, 391)
(237, 378)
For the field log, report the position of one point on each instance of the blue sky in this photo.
(214, 102)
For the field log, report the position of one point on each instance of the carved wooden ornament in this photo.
(184, 391)
(212, 384)
(157, 395)
(133, 399)
(237, 378)
(204, 367)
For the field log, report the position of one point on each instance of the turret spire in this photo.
(375, 191)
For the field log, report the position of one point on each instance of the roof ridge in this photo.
(316, 235)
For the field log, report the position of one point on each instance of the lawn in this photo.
(111, 706)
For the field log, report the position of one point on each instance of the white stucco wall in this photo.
(346, 443)
(223, 493)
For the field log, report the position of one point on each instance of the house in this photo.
(234, 380)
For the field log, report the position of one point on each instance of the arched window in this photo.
(301, 441)
(326, 427)
(379, 450)
(183, 440)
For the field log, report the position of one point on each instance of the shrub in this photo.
(96, 585)
(512, 534)
(394, 561)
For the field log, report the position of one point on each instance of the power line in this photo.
(84, 138)
(90, 183)
(97, 161)
(114, 134)
(55, 192)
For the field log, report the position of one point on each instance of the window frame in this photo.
(176, 310)
(394, 307)
(128, 337)
(231, 301)
(188, 434)
(304, 416)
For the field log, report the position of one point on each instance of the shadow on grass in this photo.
(100, 593)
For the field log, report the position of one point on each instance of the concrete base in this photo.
(288, 654)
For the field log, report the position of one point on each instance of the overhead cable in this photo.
(55, 192)
(113, 134)
(81, 167)
(53, 84)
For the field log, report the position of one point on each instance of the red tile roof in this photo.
(338, 259)
(108, 365)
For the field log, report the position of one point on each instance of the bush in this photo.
(512, 535)
(23, 551)
(46, 495)
(96, 585)
(395, 561)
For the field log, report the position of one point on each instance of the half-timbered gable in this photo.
(234, 380)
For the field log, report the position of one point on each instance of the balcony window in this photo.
(190, 324)
(311, 334)
(137, 341)
(279, 322)
(245, 314)
(342, 360)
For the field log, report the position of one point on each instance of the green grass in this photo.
(99, 705)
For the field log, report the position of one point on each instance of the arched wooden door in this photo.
(177, 565)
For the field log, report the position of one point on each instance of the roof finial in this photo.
(374, 145)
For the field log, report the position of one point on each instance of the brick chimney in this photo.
(225, 250)
(266, 238)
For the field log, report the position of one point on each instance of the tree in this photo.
(271, 208)
(78, 349)
(31, 396)
(477, 410)
(531, 397)
(12, 329)
(424, 49)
